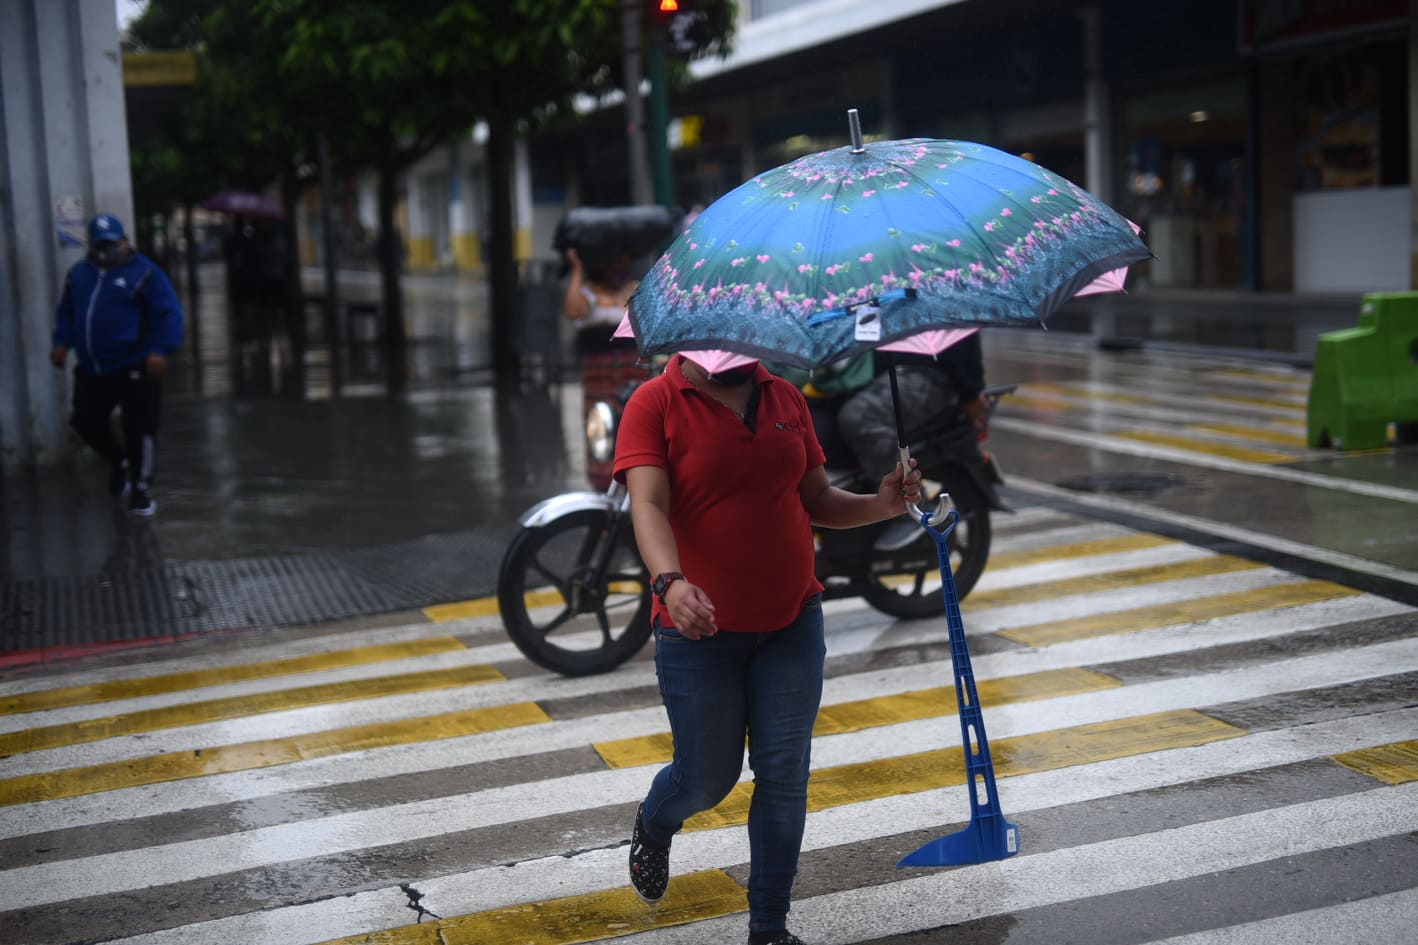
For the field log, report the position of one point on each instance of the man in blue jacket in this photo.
(120, 317)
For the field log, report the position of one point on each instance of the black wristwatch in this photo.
(662, 582)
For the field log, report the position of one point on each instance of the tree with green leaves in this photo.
(388, 80)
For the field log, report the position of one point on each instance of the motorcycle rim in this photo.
(554, 609)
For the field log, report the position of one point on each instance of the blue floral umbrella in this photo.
(860, 246)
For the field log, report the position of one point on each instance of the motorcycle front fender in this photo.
(549, 510)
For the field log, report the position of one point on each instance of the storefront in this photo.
(1336, 206)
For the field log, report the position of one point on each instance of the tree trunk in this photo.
(293, 298)
(391, 247)
(194, 292)
(504, 297)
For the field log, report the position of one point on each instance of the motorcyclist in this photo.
(851, 400)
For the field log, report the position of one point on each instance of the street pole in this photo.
(634, 108)
(660, 120)
(331, 308)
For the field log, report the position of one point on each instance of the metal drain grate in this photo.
(1150, 484)
(191, 597)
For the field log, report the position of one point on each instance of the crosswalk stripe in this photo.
(1386, 918)
(1294, 402)
(193, 713)
(1238, 453)
(1129, 577)
(1294, 440)
(40, 700)
(1116, 544)
(1392, 764)
(924, 771)
(590, 917)
(910, 706)
(1191, 610)
(227, 758)
(1135, 541)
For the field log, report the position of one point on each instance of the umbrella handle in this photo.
(943, 503)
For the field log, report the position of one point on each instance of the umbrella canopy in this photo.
(861, 246)
(243, 204)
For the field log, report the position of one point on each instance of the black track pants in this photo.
(139, 398)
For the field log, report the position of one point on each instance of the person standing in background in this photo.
(120, 316)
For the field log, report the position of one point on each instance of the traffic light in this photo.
(690, 28)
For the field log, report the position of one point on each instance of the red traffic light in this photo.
(669, 6)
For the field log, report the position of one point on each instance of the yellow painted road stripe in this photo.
(1107, 581)
(1025, 754)
(487, 606)
(1174, 614)
(1392, 764)
(1259, 434)
(887, 710)
(459, 610)
(235, 707)
(1075, 390)
(1137, 541)
(1290, 403)
(1049, 404)
(1193, 445)
(1299, 381)
(591, 917)
(616, 912)
(218, 675)
(177, 766)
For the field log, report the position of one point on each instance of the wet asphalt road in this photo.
(1195, 641)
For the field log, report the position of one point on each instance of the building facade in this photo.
(1261, 144)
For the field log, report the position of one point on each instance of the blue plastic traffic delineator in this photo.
(988, 836)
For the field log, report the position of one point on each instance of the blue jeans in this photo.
(717, 691)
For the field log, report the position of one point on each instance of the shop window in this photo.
(1184, 181)
(1351, 119)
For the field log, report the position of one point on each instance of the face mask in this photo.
(108, 254)
(733, 377)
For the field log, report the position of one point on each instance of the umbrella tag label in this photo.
(868, 323)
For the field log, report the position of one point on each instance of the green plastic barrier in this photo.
(1367, 377)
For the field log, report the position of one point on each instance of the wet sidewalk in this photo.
(280, 506)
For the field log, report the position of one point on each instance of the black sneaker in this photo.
(142, 504)
(118, 484)
(782, 938)
(649, 865)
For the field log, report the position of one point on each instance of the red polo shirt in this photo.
(738, 521)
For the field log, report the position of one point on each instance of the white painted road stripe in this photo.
(1248, 536)
(1113, 444)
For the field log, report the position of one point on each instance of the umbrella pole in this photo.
(900, 421)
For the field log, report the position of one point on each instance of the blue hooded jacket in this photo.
(114, 318)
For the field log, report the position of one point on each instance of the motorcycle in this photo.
(575, 597)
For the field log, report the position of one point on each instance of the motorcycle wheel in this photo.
(911, 594)
(556, 615)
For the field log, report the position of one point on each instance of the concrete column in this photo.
(1097, 120)
(1413, 149)
(522, 200)
(64, 158)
